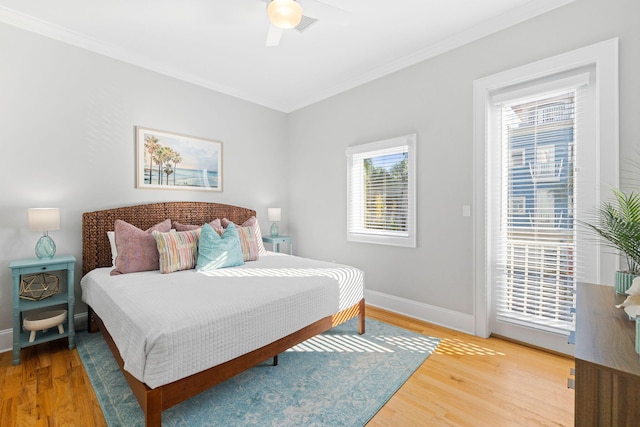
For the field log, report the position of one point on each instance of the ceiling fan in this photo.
(288, 14)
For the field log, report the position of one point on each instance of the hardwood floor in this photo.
(48, 388)
(471, 381)
(468, 381)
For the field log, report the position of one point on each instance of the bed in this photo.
(273, 303)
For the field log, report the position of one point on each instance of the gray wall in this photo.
(434, 99)
(67, 120)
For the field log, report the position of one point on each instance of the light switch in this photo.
(466, 210)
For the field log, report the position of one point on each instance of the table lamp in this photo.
(274, 216)
(45, 220)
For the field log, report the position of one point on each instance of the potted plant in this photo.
(618, 223)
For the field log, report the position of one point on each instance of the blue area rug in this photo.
(338, 378)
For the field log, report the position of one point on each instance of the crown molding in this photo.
(56, 32)
(499, 23)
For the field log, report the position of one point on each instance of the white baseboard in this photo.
(6, 335)
(440, 316)
(6, 340)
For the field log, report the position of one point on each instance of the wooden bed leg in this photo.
(361, 317)
(153, 409)
(92, 326)
(275, 360)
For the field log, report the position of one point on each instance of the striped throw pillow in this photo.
(248, 243)
(251, 222)
(178, 250)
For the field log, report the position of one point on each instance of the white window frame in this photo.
(545, 208)
(518, 158)
(604, 57)
(358, 233)
(546, 152)
(519, 205)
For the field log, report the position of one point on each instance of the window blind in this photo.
(382, 192)
(538, 256)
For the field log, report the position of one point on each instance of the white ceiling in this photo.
(220, 44)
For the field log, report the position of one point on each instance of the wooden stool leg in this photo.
(32, 336)
(61, 328)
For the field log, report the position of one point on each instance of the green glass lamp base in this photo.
(45, 248)
(274, 230)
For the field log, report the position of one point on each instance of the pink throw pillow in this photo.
(137, 249)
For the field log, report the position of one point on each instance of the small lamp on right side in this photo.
(274, 215)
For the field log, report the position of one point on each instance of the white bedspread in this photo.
(169, 326)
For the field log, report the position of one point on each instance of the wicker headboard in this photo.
(96, 251)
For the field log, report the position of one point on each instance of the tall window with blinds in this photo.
(381, 192)
(546, 146)
(537, 255)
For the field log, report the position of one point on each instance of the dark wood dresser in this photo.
(607, 365)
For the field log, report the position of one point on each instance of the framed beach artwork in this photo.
(171, 161)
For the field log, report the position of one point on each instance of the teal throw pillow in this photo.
(215, 251)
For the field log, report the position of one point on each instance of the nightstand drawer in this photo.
(277, 240)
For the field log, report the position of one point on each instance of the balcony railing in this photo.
(539, 280)
(546, 171)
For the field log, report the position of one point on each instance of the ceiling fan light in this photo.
(284, 13)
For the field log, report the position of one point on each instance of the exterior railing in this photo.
(539, 280)
(546, 171)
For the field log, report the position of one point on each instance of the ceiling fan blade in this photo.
(274, 35)
(321, 9)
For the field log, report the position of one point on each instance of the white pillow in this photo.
(112, 241)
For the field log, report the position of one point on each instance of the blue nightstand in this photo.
(34, 266)
(275, 242)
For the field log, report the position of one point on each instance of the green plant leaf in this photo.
(618, 223)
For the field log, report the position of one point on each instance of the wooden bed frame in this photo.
(96, 252)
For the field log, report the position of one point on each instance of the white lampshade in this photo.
(284, 14)
(44, 219)
(274, 214)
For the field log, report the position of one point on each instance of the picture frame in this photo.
(172, 161)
